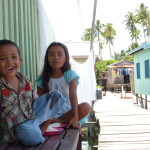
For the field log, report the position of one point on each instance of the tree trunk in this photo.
(110, 51)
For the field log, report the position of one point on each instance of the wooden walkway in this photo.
(124, 125)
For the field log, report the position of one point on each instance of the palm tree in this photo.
(148, 30)
(135, 35)
(120, 56)
(98, 32)
(143, 18)
(109, 34)
(123, 56)
(86, 35)
(132, 46)
(130, 23)
(101, 46)
(98, 29)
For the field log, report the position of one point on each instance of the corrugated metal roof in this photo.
(142, 47)
(122, 64)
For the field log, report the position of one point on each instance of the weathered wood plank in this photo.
(35, 147)
(124, 126)
(70, 140)
(4, 145)
(15, 146)
(53, 141)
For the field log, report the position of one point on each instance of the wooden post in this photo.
(141, 101)
(136, 98)
(146, 102)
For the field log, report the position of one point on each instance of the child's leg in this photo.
(46, 107)
(45, 125)
(83, 110)
(29, 133)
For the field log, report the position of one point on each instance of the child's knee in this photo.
(26, 133)
(84, 108)
(87, 107)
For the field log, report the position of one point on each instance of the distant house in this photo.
(120, 74)
(142, 68)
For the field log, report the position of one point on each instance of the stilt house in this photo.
(142, 73)
(120, 74)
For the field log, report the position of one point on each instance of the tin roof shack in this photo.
(120, 74)
(142, 70)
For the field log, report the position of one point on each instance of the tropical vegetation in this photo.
(134, 21)
(104, 34)
(137, 24)
(101, 66)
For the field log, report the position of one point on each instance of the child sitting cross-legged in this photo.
(22, 117)
(57, 75)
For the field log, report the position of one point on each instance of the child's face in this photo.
(56, 57)
(9, 61)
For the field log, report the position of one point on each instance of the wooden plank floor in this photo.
(124, 125)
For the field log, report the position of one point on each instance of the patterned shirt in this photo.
(15, 108)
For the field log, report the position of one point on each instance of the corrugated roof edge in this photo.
(131, 62)
(142, 47)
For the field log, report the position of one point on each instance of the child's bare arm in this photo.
(74, 103)
(40, 91)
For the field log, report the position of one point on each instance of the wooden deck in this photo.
(124, 125)
(66, 140)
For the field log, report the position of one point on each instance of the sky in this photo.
(69, 18)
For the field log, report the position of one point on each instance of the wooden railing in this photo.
(142, 100)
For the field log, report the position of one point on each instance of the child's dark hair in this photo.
(8, 42)
(47, 70)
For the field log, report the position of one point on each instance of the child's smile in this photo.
(9, 69)
(9, 61)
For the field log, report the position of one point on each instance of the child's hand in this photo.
(74, 124)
